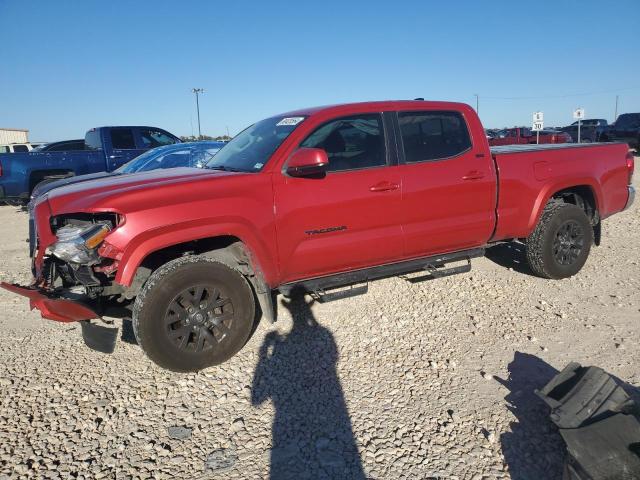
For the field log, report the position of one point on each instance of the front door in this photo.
(348, 218)
(448, 184)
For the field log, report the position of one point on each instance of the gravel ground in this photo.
(413, 380)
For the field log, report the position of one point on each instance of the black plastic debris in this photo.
(100, 338)
(598, 421)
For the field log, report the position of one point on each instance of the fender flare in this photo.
(551, 189)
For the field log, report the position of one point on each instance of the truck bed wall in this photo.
(17, 168)
(529, 178)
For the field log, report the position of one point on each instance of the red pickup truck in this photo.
(523, 136)
(314, 200)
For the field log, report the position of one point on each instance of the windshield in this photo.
(162, 157)
(252, 148)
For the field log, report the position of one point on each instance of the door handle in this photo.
(384, 187)
(113, 157)
(473, 175)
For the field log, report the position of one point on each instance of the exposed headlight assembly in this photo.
(78, 243)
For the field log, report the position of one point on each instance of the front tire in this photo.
(561, 242)
(192, 313)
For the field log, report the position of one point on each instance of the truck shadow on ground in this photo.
(534, 449)
(312, 436)
(510, 255)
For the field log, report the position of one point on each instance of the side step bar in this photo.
(321, 287)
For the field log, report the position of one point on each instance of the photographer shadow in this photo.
(312, 436)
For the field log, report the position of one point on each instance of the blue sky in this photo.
(69, 66)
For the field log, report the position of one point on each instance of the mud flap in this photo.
(598, 421)
(100, 338)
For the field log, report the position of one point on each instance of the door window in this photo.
(20, 148)
(351, 142)
(433, 135)
(122, 138)
(155, 138)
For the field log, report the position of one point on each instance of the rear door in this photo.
(123, 146)
(349, 218)
(448, 184)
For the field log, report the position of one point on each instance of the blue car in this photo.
(193, 154)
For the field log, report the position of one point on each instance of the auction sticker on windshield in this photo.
(289, 121)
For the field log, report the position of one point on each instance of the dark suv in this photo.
(625, 129)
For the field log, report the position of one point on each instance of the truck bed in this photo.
(529, 174)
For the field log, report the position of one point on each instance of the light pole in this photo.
(197, 91)
(477, 103)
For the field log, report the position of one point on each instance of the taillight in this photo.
(630, 165)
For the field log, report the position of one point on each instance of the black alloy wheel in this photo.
(568, 243)
(199, 318)
(194, 312)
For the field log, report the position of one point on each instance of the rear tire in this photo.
(192, 313)
(561, 242)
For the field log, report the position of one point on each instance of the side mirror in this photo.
(307, 162)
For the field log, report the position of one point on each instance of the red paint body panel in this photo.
(58, 309)
(389, 213)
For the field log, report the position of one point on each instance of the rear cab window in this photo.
(351, 143)
(92, 140)
(122, 139)
(433, 135)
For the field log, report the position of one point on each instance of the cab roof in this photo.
(376, 106)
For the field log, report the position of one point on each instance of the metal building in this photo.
(13, 135)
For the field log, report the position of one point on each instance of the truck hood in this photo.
(43, 188)
(115, 192)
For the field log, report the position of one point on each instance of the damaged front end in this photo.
(72, 267)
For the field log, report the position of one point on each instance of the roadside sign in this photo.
(578, 114)
(538, 121)
(538, 124)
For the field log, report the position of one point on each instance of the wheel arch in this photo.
(229, 246)
(585, 194)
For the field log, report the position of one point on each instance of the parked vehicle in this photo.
(591, 130)
(63, 146)
(311, 200)
(16, 148)
(106, 148)
(193, 154)
(523, 136)
(625, 129)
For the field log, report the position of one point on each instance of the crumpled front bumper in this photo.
(51, 307)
